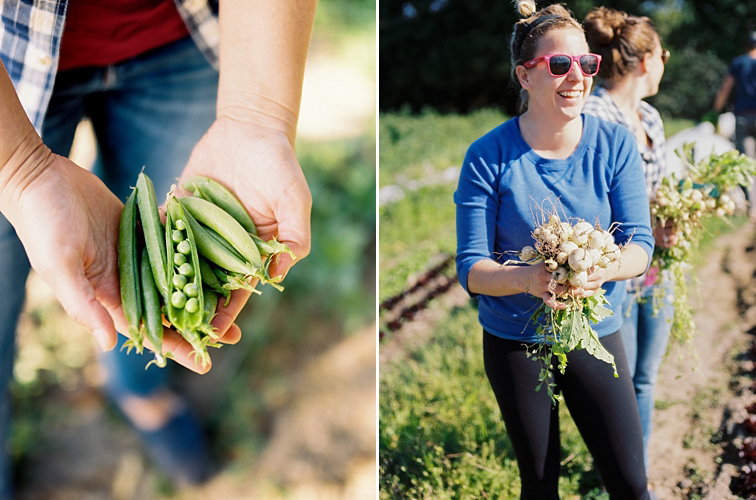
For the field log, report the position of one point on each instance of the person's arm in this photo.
(263, 49)
(22, 153)
(724, 92)
(68, 223)
(488, 277)
(250, 147)
(33, 205)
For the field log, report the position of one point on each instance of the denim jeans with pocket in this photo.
(147, 112)
(645, 336)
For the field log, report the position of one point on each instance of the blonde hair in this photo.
(621, 39)
(535, 23)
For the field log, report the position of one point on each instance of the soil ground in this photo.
(702, 393)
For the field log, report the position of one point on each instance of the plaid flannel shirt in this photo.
(600, 104)
(654, 158)
(30, 33)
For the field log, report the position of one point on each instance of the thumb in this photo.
(293, 230)
(281, 263)
(78, 298)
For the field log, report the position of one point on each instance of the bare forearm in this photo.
(264, 45)
(22, 152)
(632, 262)
(724, 93)
(487, 277)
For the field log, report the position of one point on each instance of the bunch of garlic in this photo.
(570, 251)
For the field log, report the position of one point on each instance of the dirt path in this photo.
(702, 394)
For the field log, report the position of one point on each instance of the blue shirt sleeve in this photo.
(628, 197)
(477, 207)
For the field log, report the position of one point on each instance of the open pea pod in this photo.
(185, 304)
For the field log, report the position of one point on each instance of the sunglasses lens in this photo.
(559, 65)
(589, 64)
(665, 56)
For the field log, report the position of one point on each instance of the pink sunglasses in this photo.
(560, 64)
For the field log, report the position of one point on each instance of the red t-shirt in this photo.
(98, 33)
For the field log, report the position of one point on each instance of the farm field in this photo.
(441, 434)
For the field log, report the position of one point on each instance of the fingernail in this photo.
(102, 339)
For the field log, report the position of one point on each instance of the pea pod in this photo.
(225, 225)
(221, 254)
(185, 313)
(271, 247)
(211, 304)
(213, 191)
(128, 269)
(153, 231)
(152, 319)
(211, 280)
(237, 281)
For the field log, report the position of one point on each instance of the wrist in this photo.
(21, 168)
(254, 109)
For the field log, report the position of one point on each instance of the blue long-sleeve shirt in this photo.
(502, 184)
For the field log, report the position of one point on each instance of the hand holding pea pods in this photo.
(258, 163)
(67, 221)
(202, 259)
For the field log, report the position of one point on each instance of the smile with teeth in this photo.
(570, 94)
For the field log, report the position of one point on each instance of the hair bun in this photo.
(602, 24)
(526, 8)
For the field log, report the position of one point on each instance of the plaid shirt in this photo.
(600, 103)
(30, 32)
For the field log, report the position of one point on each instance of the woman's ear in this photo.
(643, 66)
(523, 77)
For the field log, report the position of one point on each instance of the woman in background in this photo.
(632, 65)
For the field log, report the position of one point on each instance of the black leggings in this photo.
(602, 406)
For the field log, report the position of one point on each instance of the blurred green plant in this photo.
(413, 231)
(329, 295)
(674, 125)
(691, 79)
(331, 280)
(339, 17)
(413, 146)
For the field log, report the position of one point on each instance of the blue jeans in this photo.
(149, 112)
(645, 337)
(745, 127)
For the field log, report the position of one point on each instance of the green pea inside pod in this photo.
(186, 318)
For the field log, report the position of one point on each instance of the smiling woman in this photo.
(554, 152)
